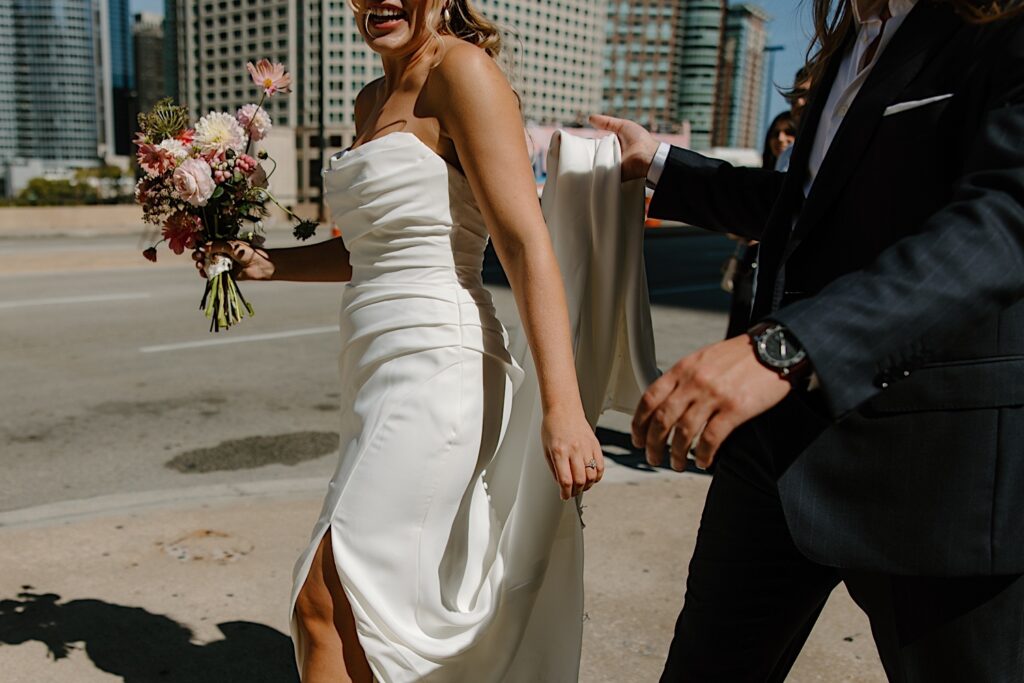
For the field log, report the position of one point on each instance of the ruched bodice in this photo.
(416, 241)
(405, 213)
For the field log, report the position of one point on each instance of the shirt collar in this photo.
(897, 8)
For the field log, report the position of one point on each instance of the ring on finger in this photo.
(592, 465)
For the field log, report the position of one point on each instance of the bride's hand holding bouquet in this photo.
(203, 186)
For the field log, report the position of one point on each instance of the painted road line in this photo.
(96, 298)
(238, 340)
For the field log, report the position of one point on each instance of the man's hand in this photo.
(715, 389)
(638, 146)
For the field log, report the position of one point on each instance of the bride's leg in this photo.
(330, 647)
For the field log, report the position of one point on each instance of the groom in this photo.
(869, 428)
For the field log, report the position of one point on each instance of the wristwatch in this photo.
(777, 349)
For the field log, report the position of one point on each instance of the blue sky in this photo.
(789, 28)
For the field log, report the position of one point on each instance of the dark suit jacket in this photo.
(903, 278)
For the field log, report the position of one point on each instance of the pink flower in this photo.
(155, 160)
(255, 121)
(271, 77)
(180, 231)
(187, 136)
(193, 181)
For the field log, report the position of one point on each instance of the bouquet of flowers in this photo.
(202, 184)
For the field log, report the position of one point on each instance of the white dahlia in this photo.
(254, 119)
(176, 147)
(219, 132)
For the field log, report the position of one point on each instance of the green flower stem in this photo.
(271, 159)
(288, 211)
(223, 302)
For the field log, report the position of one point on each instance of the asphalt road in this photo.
(111, 381)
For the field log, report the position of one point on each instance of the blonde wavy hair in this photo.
(468, 24)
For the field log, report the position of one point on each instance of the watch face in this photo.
(778, 350)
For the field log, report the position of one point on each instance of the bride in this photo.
(440, 554)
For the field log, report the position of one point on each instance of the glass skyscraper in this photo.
(50, 110)
(702, 24)
(122, 74)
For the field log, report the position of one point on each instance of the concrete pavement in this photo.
(154, 501)
(193, 587)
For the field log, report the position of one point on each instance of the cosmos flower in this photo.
(271, 77)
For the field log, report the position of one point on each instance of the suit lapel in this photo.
(780, 222)
(927, 25)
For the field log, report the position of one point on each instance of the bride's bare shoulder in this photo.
(466, 71)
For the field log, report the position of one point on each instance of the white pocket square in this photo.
(904, 106)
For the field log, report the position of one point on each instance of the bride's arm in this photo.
(479, 111)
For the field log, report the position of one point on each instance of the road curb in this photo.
(64, 512)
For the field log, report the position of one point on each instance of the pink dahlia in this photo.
(181, 230)
(155, 160)
(271, 77)
(193, 181)
(255, 121)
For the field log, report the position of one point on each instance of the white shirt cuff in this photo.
(657, 165)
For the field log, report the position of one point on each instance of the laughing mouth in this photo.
(383, 15)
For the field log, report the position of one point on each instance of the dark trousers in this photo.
(752, 598)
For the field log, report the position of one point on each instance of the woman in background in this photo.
(741, 268)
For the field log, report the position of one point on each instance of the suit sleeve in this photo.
(715, 195)
(965, 264)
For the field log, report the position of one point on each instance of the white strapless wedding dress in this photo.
(459, 559)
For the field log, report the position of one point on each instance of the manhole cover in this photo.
(207, 545)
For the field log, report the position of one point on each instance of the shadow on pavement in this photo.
(618, 449)
(143, 647)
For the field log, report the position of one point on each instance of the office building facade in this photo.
(58, 109)
(642, 51)
(555, 48)
(148, 41)
(741, 94)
